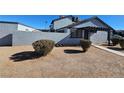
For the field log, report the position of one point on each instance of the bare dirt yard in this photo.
(20, 61)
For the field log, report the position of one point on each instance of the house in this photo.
(65, 30)
(92, 28)
(63, 21)
(7, 28)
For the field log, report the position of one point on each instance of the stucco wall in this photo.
(62, 23)
(27, 38)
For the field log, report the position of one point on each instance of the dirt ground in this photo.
(20, 61)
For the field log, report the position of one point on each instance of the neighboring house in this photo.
(63, 21)
(93, 29)
(7, 28)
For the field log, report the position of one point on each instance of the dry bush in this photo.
(43, 47)
(85, 44)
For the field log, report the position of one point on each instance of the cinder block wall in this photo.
(27, 38)
(5, 38)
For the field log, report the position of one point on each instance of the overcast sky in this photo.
(43, 21)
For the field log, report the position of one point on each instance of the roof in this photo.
(44, 30)
(86, 20)
(120, 30)
(16, 23)
(69, 16)
(9, 22)
(94, 28)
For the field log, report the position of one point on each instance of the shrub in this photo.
(115, 39)
(121, 42)
(85, 44)
(43, 47)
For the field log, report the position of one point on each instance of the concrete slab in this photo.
(109, 50)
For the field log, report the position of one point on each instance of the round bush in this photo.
(85, 44)
(121, 42)
(43, 47)
(115, 39)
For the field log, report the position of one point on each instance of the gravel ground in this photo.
(20, 61)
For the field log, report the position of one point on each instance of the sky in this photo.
(43, 21)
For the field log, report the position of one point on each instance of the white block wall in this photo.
(100, 37)
(5, 33)
(6, 30)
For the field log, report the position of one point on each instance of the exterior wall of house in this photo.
(8, 27)
(6, 31)
(99, 37)
(25, 28)
(62, 23)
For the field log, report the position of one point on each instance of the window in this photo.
(61, 31)
(76, 34)
(26, 29)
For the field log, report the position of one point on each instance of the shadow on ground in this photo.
(72, 51)
(116, 48)
(26, 55)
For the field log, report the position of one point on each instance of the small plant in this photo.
(43, 47)
(85, 44)
(121, 42)
(116, 39)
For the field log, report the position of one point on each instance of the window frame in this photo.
(76, 34)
